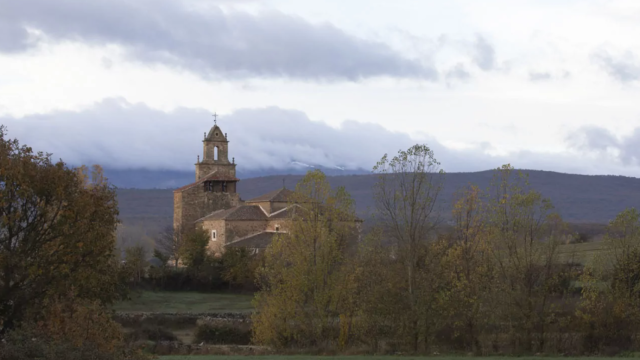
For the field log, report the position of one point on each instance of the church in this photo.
(212, 203)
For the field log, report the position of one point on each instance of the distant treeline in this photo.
(578, 198)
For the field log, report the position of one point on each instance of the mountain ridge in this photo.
(578, 198)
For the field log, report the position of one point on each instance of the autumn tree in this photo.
(525, 234)
(239, 267)
(57, 231)
(406, 195)
(380, 310)
(304, 288)
(469, 268)
(609, 311)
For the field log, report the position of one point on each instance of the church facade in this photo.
(213, 204)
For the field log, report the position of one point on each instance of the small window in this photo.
(213, 235)
(216, 134)
(215, 153)
(224, 187)
(277, 228)
(208, 186)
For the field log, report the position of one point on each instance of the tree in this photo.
(194, 250)
(170, 242)
(57, 229)
(468, 268)
(622, 236)
(135, 259)
(609, 311)
(525, 234)
(304, 288)
(405, 195)
(379, 293)
(239, 266)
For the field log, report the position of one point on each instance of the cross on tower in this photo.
(215, 118)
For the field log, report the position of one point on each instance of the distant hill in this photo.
(579, 198)
(171, 179)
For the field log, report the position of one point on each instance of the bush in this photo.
(626, 276)
(150, 333)
(223, 334)
(30, 344)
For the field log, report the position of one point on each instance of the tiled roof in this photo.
(255, 241)
(280, 195)
(242, 212)
(212, 176)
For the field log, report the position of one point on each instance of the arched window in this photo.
(215, 153)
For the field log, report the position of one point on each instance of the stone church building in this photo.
(212, 203)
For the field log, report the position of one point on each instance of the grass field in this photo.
(360, 357)
(581, 253)
(185, 302)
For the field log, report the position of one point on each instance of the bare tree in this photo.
(170, 242)
(525, 232)
(405, 195)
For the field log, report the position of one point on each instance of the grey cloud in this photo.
(212, 42)
(458, 72)
(539, 76)
(479, 51)
(121, 135)
(483, 54)
(624, 69)
(594, 139)
(536, 76)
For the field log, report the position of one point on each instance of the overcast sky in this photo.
(545, 84)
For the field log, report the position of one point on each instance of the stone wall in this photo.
(275, 206)
(204, 168)
(209, 149)
(177, 210)
(195, 203)
(283, 223)
(216, 246)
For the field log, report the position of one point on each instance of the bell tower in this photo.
(215, 154)
(215, 185)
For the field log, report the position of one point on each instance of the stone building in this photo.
(215, 185)
(251, 225)
(212, 203)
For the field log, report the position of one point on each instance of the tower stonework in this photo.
(215, 155)
(215, 185)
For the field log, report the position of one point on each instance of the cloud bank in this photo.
(601, 142)
(624, 68)
(121, 135)
(212, 42)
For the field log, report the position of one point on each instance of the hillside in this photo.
(579, 198)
